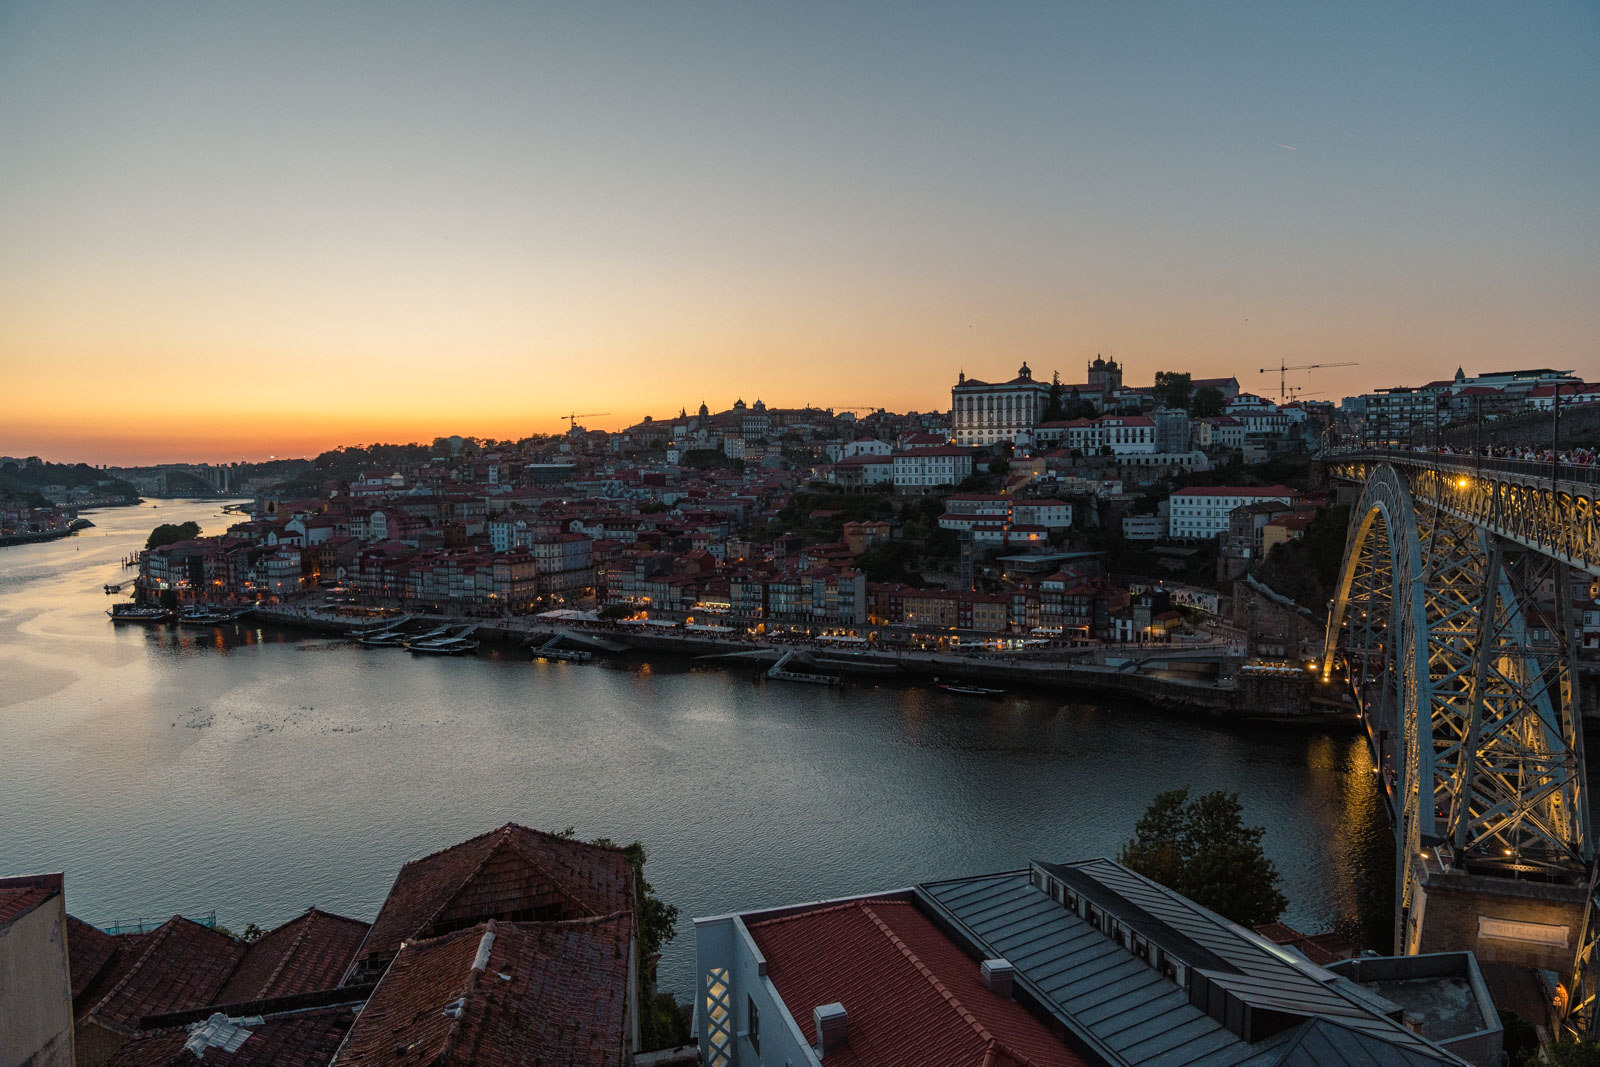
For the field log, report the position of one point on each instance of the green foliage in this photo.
(1208, 402)
(999, 466)
(1571, 1052)
(1053, 409)
(171, 533)
(1307, 570)
(795, 516)
(663, 1023)
(343, 465)
(705, 459)
(1521, 1041)
(653, 507)
(1203, 849)
(887, 561)
(251, 934)
(1173, 388)
(1077, 407)
(23, 482)
(615, 611)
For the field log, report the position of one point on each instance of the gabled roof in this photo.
(179, 965)
(305, 1038)
(89, 949)
(503, 993)
(914, 998)
(512, 872)
(303, 955)
(22, 894)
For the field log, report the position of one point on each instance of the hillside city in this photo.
(1033, 512)
(1080, 513)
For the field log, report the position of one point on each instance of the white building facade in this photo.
(1200, 513)
(986, 413)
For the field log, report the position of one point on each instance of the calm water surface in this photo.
(256, 773)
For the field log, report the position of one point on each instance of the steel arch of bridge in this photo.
(1454, 627)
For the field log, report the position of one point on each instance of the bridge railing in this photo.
(1585, 474)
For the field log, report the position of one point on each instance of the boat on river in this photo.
(136, 613)
(961, 689)
(200, 615)
(441, 646)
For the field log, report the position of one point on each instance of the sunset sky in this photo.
(229, 231)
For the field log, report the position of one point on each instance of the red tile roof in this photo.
(20, 895)
(509, 873)
(502, 993)
(294, 1039)
(1236, 490)
(914, 998)
(89, 949)
(178, 966)
(303, 955)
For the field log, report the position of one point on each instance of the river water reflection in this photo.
(256, 773)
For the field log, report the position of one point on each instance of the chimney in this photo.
(997, 977)
(833, 1026)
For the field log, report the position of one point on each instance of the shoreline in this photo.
(9, 540)
(1244, 701)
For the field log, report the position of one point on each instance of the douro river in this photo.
(255, 772)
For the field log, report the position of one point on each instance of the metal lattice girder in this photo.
(1464, 669)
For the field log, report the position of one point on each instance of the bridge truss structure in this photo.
(1454, 622)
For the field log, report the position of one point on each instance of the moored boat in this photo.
(969, 690)
(441, 646)
(136, 613)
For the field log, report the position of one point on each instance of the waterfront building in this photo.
(1060, 964)
(1201, 512)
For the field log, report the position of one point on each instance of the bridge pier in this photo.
(1533, 924)
(1454, 622)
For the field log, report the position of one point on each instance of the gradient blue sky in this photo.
(231, 231)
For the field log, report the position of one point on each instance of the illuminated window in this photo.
(719, 1018)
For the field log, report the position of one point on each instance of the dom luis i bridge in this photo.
(1453, 623)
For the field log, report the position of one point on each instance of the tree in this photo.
(1077, 407)
(1053, 411)
(169, 533)
(1572, 1052)
(1208, 402)
(661, 1021)
(1172, 388)
(1203, 849)
(999, 466)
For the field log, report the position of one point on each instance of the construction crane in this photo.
(1283, 370)
(573, 418)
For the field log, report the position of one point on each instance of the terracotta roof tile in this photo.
(914, 998)
(547, 993)
(89, 949)
(295, 1039)
(512, 873)
(177, 966)
(20, 895)
(303, 955)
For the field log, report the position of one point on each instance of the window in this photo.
(754, 1023)
(718, 1035)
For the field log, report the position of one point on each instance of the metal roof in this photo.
(1128, 1012)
